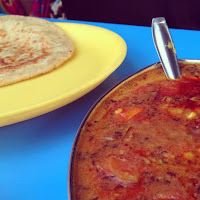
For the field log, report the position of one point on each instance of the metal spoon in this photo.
(165, 47)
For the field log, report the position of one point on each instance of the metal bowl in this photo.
(97, 103)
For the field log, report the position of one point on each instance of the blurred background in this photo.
(182, 14)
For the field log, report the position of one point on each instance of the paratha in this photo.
(30, 47)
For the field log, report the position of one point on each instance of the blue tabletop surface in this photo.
(34, 154)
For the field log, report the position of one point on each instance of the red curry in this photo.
(142, 141)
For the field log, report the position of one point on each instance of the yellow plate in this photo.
(98, 52)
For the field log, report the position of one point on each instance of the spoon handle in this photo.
(165, 47)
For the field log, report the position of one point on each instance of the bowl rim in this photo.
(71, 159)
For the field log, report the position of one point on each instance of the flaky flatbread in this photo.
(30, 47)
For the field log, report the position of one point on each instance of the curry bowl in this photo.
(141, 140)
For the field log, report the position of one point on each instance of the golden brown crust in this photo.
(30, 47)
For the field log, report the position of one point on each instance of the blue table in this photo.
(34, 154)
